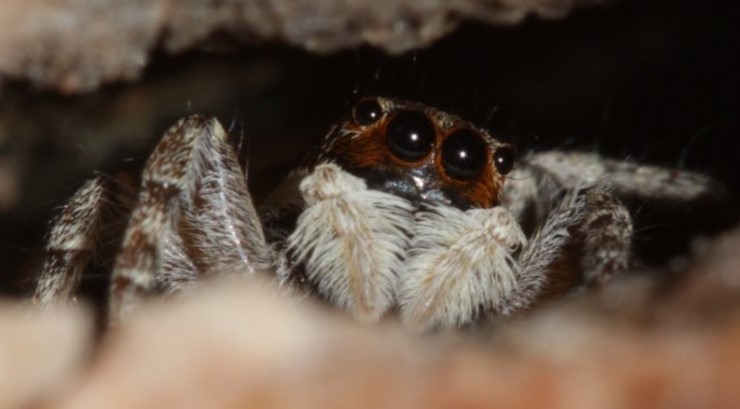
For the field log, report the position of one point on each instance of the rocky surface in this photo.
(76, 45)
(241, 344)
(41, 354)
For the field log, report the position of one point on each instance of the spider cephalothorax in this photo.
(419, 153)
(401, 209)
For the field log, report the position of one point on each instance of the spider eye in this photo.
(410, 135)
(503, 159)
(464, 154)
(367, 112)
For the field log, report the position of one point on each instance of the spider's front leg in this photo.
(584, 240)
(467, 264)
(194, 217)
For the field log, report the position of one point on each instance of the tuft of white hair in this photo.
(352, 240)
(461, 264)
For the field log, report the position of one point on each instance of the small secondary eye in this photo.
(410, 135)
(367, 112)
(464, 155)
(504, 159)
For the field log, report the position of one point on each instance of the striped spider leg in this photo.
(193, 218)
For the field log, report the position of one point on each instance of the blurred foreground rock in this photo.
(40, 353)
(75, 45)
(634, 344)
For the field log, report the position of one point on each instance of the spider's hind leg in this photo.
(585, 240)
(669, 206)
(628, 179)
(603, 238)
(194, 217)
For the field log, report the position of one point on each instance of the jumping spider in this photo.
(402, 208)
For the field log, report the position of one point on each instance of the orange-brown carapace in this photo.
(420, 153)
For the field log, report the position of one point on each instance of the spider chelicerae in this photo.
(401, 209)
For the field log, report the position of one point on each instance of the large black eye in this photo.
(410, 135)
(504, 159)
(367, 112)
(464, 155)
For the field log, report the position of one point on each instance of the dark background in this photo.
(649, 81)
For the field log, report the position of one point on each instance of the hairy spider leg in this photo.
(464, 265)
(605, 237)
(194, 217)
(72, 243)
(627, 179)
(585, 239)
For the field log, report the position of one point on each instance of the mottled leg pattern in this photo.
(604, 237)
(586, 238)
(542, 177)
(589, 231)
(135, 271)
(87, 230)
(71, 244)
(626, 179)
(193, 217)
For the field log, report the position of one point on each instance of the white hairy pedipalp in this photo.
(352, 240)
(460, 264)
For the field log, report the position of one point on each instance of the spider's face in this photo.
(419, 153)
